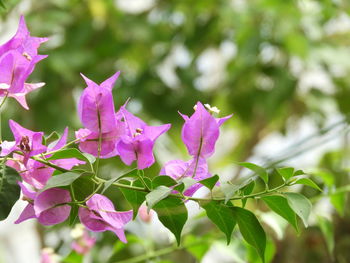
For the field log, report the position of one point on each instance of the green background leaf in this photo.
(9, 190)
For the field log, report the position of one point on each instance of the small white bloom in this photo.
(212, 109)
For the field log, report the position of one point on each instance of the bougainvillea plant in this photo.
(60, 180)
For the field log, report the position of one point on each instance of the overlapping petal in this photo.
(178, 169)
(51, 207)
(138, 141)
(48, 207)
(101, 216)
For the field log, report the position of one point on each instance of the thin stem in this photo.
(2, 103)
(145, 189)
(143, 181)
(99, 143)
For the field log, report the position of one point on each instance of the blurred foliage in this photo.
(272, 63)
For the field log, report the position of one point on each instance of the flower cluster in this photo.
(107, 133)
(18, 58)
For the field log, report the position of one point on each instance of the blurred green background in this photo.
(282, 68)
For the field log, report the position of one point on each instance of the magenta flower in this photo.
(100, 216)
(96, 107)
(201, 131)
(18, 58)
(97, 113)
(49, 207)
(36, 173)
(137, 142)
(26, 141)
(178, 169)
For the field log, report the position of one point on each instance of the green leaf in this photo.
(90, 157)
(327, 229)
(221, 215)
(134, 198)
(280, 206)
(163, 180)
(63, 179)
(229, 190)
(72, 153)
(185, 184)
(286, 172)
(298, 172)
(270, 251)
(210, 182)
(107, 184)
(338, 200)
(173, 214)
(247, 190)
(83, 187)
(9, 190)
(308, 182)
(157, 195)
(300, 205)
(251, 230)
(2, 4)
(257, 169)
(51, 139)
(73, 216)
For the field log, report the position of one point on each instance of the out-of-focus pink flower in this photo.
(18, 58)
(100, 216)
(49, 256)
(144, 215)
(83, 242)
(137, 142)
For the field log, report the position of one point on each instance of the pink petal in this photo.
(88, 219)
(50, 206)
(27, 213)
(109, 83)
(27, 192)
(126, 151)
(59, 143)
(145, 156)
